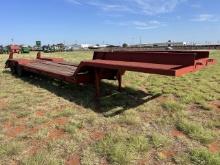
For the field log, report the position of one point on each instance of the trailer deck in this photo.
(52, 67)
(112, 65)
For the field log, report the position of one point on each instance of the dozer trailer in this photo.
(112, 65)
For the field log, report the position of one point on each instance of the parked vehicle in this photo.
(37, 48)
(25, 49)
(1, 49)
(48, 49)
(5, 50)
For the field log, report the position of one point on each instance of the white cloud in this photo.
(153, 24)
(147, 7)
(109, 7)
(205, 18)
(140, 25)
(75, 2)
(152, 7)
(110, 22)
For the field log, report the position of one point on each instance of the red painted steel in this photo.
(112, 65)
(14, 48)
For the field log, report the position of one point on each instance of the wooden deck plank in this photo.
(52, 67)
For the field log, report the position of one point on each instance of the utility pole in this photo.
(140, 40)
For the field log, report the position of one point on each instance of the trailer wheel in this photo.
(13, 69)
(19, 70)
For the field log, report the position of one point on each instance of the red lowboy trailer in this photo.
(112, 65)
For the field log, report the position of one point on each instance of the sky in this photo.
(109, 21)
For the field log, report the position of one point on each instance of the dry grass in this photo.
(154, 120)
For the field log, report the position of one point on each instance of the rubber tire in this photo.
(19, 71)
(13, 70)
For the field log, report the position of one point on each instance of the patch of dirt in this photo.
(33, 150)
(34, 147)
(143, 161)
(33, 130)
(216, 105)
(55, 134)
(167, 154)
(13, 131)
(3, 104)
(214, 147)
(13, 162)
(150, 158)
(104, 161)
(97, 135)
(177, 133)
(40, 113)
(73, 160)
(193, 108)
(7, 125)
(61, 120)
(145, 117)
(93, 136)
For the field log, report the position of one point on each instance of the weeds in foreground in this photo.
(195, 130)
(172, 106)
(72, 127)
(160, 140)
(122, 149)
(10, 149)
(41, 158)
(204, 157)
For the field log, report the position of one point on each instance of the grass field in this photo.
(154, 120)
